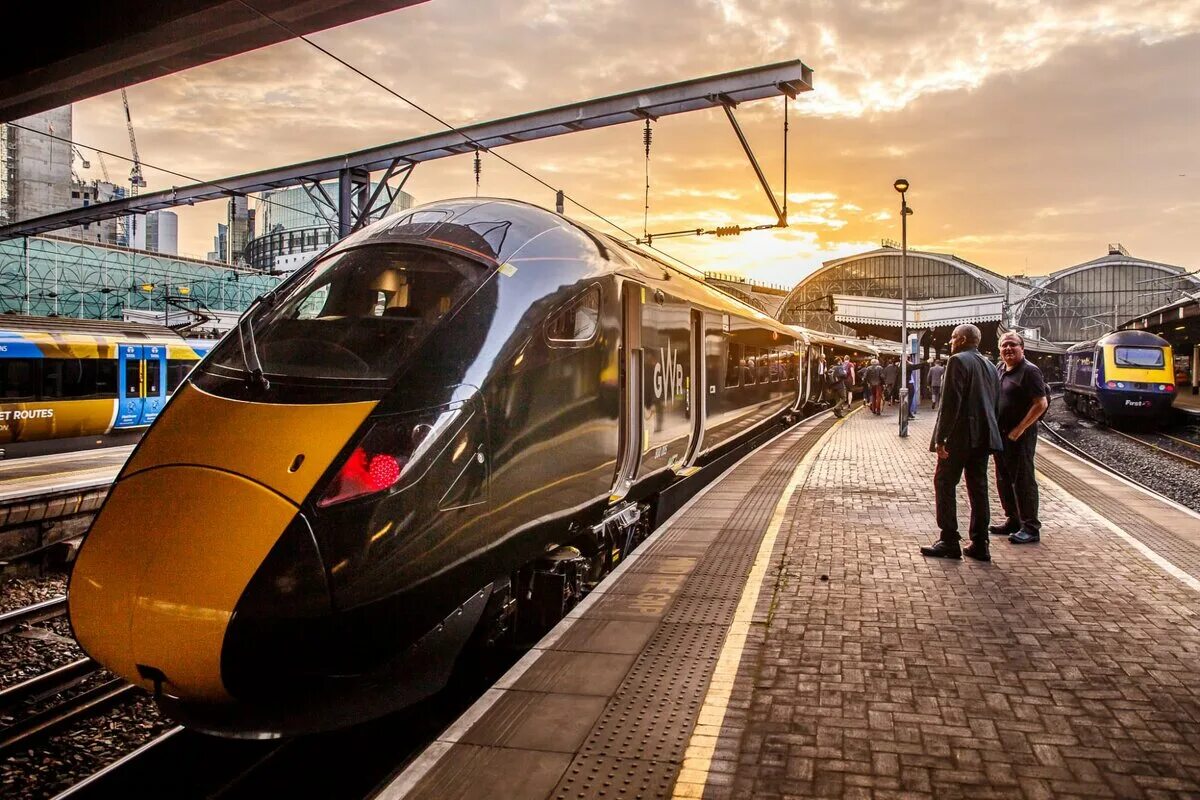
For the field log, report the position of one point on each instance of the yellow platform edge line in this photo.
(698, 758)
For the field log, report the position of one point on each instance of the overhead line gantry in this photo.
(358, 203)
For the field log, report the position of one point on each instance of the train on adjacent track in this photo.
(439, 433)
(1123, 377)
(64, 378)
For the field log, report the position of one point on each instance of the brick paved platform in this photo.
(1065, 669)
(784, 638)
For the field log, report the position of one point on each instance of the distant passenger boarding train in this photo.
(438, 434)
(1125, 376)
(62, 378)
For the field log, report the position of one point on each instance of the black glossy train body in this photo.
(1124, 376)
(442, 430)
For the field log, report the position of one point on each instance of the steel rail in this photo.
(84, 705)
(38, 612)
(48, 684)
(1075, 449)
(1153, 446)
(1185, 442)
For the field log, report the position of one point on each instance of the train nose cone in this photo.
(158, 578)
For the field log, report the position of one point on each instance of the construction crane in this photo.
(103, 167)
(136, 181)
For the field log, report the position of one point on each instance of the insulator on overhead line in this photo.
(728, 230)
(647, 137)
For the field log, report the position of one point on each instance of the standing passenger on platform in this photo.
(914, 386)
(935, 381)
(890, 375)
(837, 384)
(965, 434)
(873, 386)
(1023, 400)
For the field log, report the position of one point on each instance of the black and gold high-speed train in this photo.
(440, 431)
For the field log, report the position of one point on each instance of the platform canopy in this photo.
(857, 310)
(87, 49)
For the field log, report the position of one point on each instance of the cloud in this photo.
(1032, 133)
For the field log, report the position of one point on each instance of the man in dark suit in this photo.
(964, 437)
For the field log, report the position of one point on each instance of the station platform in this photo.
(34, 475)
(781, 636)
(1187, 402)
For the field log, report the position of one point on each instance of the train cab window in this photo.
(750, 367)
(575, 324)
(153, 376)
(1143, 357)
(177, 372)
(18, 379)
(357, 314)
(733, 366)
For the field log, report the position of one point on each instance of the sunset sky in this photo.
(1032, 134)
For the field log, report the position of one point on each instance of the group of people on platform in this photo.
(985, 411)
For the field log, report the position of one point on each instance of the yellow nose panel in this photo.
(286, 447)
(162, 569)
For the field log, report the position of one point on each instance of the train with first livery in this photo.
(64, 378)
(1123, 377)
(439, 433)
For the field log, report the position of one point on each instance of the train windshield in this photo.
(1139, 357)
(356, 315)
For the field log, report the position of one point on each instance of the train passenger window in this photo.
(776, 366)
(133, 377)
(764, 366)
(733, 359)
(576, 323)
(18, 379)
(749, 366)
(106, 377)
(68, 378)
(153, 376)
(177, 372)
(1144, 357)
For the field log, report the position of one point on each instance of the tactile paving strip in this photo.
(634, 748)
(615, 778)
(1177, 550)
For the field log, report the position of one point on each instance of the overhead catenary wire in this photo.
(479, 147)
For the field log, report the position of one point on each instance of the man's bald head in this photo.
(970, 334)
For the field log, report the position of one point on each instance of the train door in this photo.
(667, 381)
(632, 366)
(129, 389)
(154, 381)
(699, 393)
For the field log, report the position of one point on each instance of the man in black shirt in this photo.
(1023, 399)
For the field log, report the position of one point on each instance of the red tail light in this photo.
(1168, 388)
(1112, 384)
(383, 457)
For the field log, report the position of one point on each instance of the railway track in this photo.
(1067, 444)
(38, 612)
(1195, 462)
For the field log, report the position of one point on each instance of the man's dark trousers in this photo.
(945, 480)
(1016, 483)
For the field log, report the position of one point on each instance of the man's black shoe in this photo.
(1003, 530)
(1024, 537)
(978, 550)
(942, 549)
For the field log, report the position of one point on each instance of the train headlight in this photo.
(387, 455)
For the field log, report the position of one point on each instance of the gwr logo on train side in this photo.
(668, 374)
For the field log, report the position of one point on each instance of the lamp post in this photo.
(901, 186)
